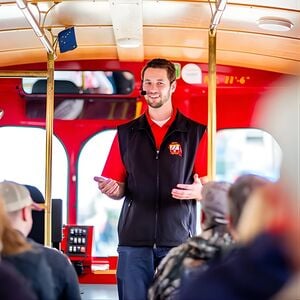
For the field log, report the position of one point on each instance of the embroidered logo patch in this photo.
(175, 149)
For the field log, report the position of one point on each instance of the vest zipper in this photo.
(156, 205)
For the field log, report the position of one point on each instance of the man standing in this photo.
(155, 161)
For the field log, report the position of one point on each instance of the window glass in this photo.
(243, 151)
(93, 207)
(82, 95)
(22, 159)
(83, 82)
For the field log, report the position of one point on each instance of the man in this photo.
(19, 204)
(155, 161)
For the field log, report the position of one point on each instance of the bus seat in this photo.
(38, 217)
(37, 231)
(60, 87)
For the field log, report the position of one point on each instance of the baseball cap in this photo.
(16, 196)
(214, 201)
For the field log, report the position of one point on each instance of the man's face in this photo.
(157, 87)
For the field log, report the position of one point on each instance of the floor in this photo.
(99, 292)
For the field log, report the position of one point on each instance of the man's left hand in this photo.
(188, 191)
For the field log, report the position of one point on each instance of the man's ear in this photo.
(26, 211)
(173, 86)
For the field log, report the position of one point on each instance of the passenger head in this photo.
(238, 195)
(160, 63)
(215, 206)
(279, 114)
(18, 204)
(11, 241)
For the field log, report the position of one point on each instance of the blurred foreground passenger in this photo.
(270, 257)
(263, 263)
(28, 263)
(16, 287)
(19, 206)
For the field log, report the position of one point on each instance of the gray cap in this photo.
(214, 201)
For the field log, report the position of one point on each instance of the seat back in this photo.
(60, 87)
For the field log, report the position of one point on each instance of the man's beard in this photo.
(161, 102)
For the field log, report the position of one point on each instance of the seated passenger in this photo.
(263, 263)
(20, 254)
(221, 202)
(19, 204)
(187, 256)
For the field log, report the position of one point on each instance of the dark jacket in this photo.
(257, 271)
(33, 266)
(150, 216)
(66, 286)
(14, 286)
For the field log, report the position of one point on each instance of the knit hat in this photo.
(214, 202)
(16, 196)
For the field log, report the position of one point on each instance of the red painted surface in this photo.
(238, 92)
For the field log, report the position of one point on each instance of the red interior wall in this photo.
(238, 91)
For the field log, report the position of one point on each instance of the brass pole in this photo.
(211, 122)
(49, 135)
(17, 74)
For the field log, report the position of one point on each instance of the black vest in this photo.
(150, 216)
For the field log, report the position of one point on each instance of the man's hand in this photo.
(110, 187)
(188, 191)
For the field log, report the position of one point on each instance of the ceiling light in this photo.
(275, 24)
(127, 21)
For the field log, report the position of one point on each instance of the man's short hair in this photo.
(161, 63)
(239, 193)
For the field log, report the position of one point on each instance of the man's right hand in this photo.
(110, 187)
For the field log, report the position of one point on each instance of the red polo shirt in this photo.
(115, 169)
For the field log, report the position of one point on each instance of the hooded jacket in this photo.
(150, 216)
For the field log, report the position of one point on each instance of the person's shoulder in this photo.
(51, 253)
(139, 121)
(56, 255)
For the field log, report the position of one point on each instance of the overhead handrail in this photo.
(212, 89)
(22, 4)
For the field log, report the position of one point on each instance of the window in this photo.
(82, 95)
(93, 207)
(242, 151)
(22, 159)
(84, 82)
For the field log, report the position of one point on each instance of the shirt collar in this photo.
(168, 123)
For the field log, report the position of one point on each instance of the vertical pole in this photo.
(211, 122)
(49, 136)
